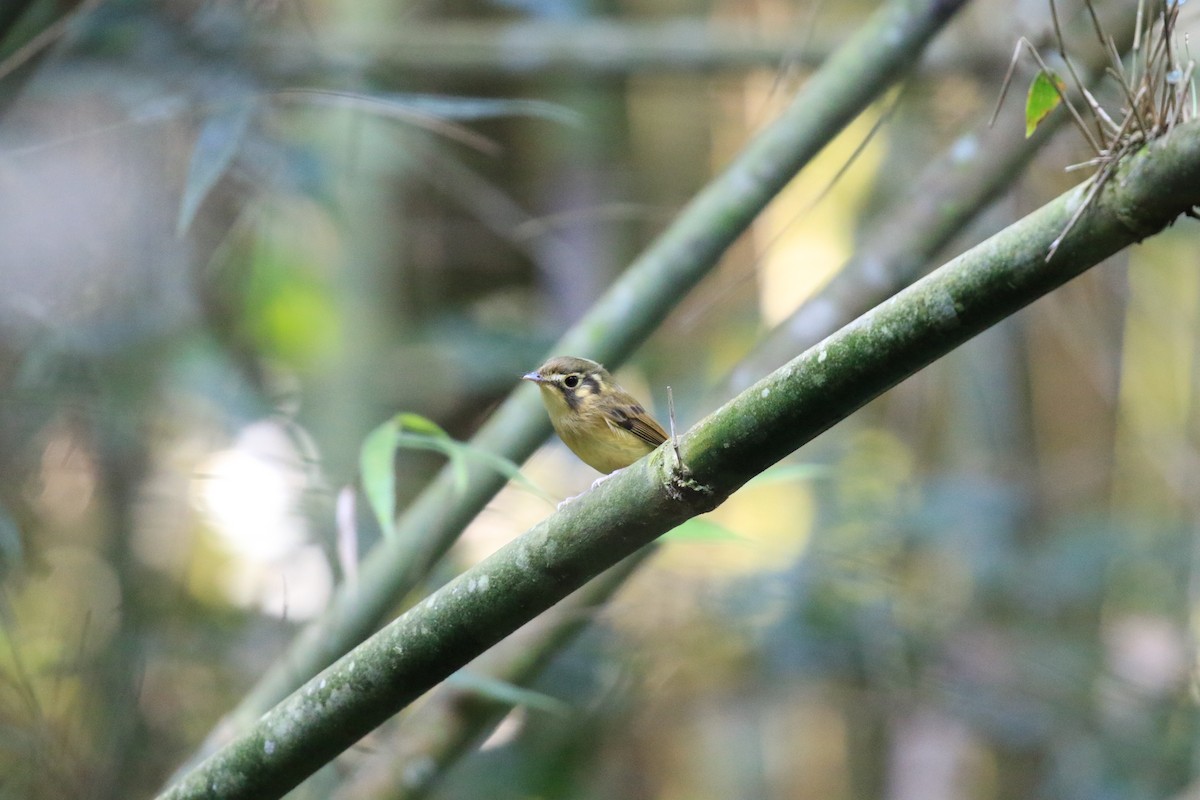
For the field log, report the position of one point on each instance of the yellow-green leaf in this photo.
(510, 694)
(414, 432)
(699, 529)
(1044, 96)
(378, 474)
(785, 473)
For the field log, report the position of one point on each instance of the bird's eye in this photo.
(571, 381)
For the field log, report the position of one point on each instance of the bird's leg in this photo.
(595, 483)
(603, 478)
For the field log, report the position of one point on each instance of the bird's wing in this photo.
(634, 419)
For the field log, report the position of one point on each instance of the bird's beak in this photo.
(536, 377)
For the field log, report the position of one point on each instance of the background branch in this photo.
(950, 192)
(602, 47)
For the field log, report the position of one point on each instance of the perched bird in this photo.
(596, 418)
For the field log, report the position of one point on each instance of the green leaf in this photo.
(783, 473)
(403, 106)
(1044, 96)
(418, 424)
(378, 473)
(478, 108)
(414, 432)
(506, 468)
(507, 693)
(699, 529)
(425, 434)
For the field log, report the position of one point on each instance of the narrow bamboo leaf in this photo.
(441, 444)
(414, 432)
(507, 693)
(418, 424)
(699, 529)
(404, 106)
(219, 140)
(379, 475)
(783, 473)
(1043, 98)
(476, 108)
(504, 467)
(458, 452)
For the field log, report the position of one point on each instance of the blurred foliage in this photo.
(230, 250)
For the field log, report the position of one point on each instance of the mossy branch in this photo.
(451, 719)
(780, 413)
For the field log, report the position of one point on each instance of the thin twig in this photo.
(1079, 84)
(1137, 25)
(1096, 26)
(1168, 20)
(1098, 181)
(671, 420)
(1012, 66)
(1098, 110)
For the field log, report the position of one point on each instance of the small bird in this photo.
(601, 422)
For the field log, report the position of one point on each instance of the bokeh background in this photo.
(237, 236)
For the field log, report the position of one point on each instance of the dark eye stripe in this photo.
(587, 386)
(571, 395)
